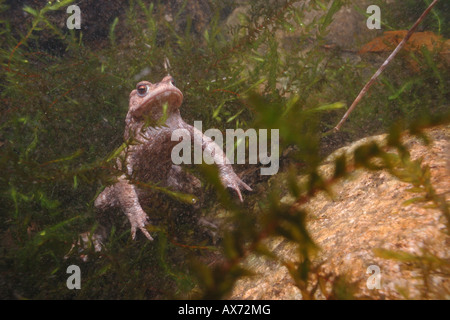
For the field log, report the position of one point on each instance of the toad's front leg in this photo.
(129, 202)
(226, 173)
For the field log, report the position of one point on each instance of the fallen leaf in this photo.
(390, 39)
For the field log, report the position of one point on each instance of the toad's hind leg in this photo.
(182, 181)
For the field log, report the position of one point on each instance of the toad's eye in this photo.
(142, 89)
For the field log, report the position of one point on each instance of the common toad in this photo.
(148, 157)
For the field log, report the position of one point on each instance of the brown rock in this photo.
(367, 213)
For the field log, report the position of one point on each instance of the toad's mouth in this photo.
(165, 95)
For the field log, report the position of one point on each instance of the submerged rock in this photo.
(368, 212)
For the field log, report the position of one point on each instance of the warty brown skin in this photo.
(148, 158)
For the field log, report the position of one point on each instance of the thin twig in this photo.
(384, 65)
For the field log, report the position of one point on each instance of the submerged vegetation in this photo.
(63, 104)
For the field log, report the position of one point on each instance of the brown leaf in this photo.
(390, 39)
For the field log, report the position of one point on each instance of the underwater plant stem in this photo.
(18, 45)
(384, 65)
